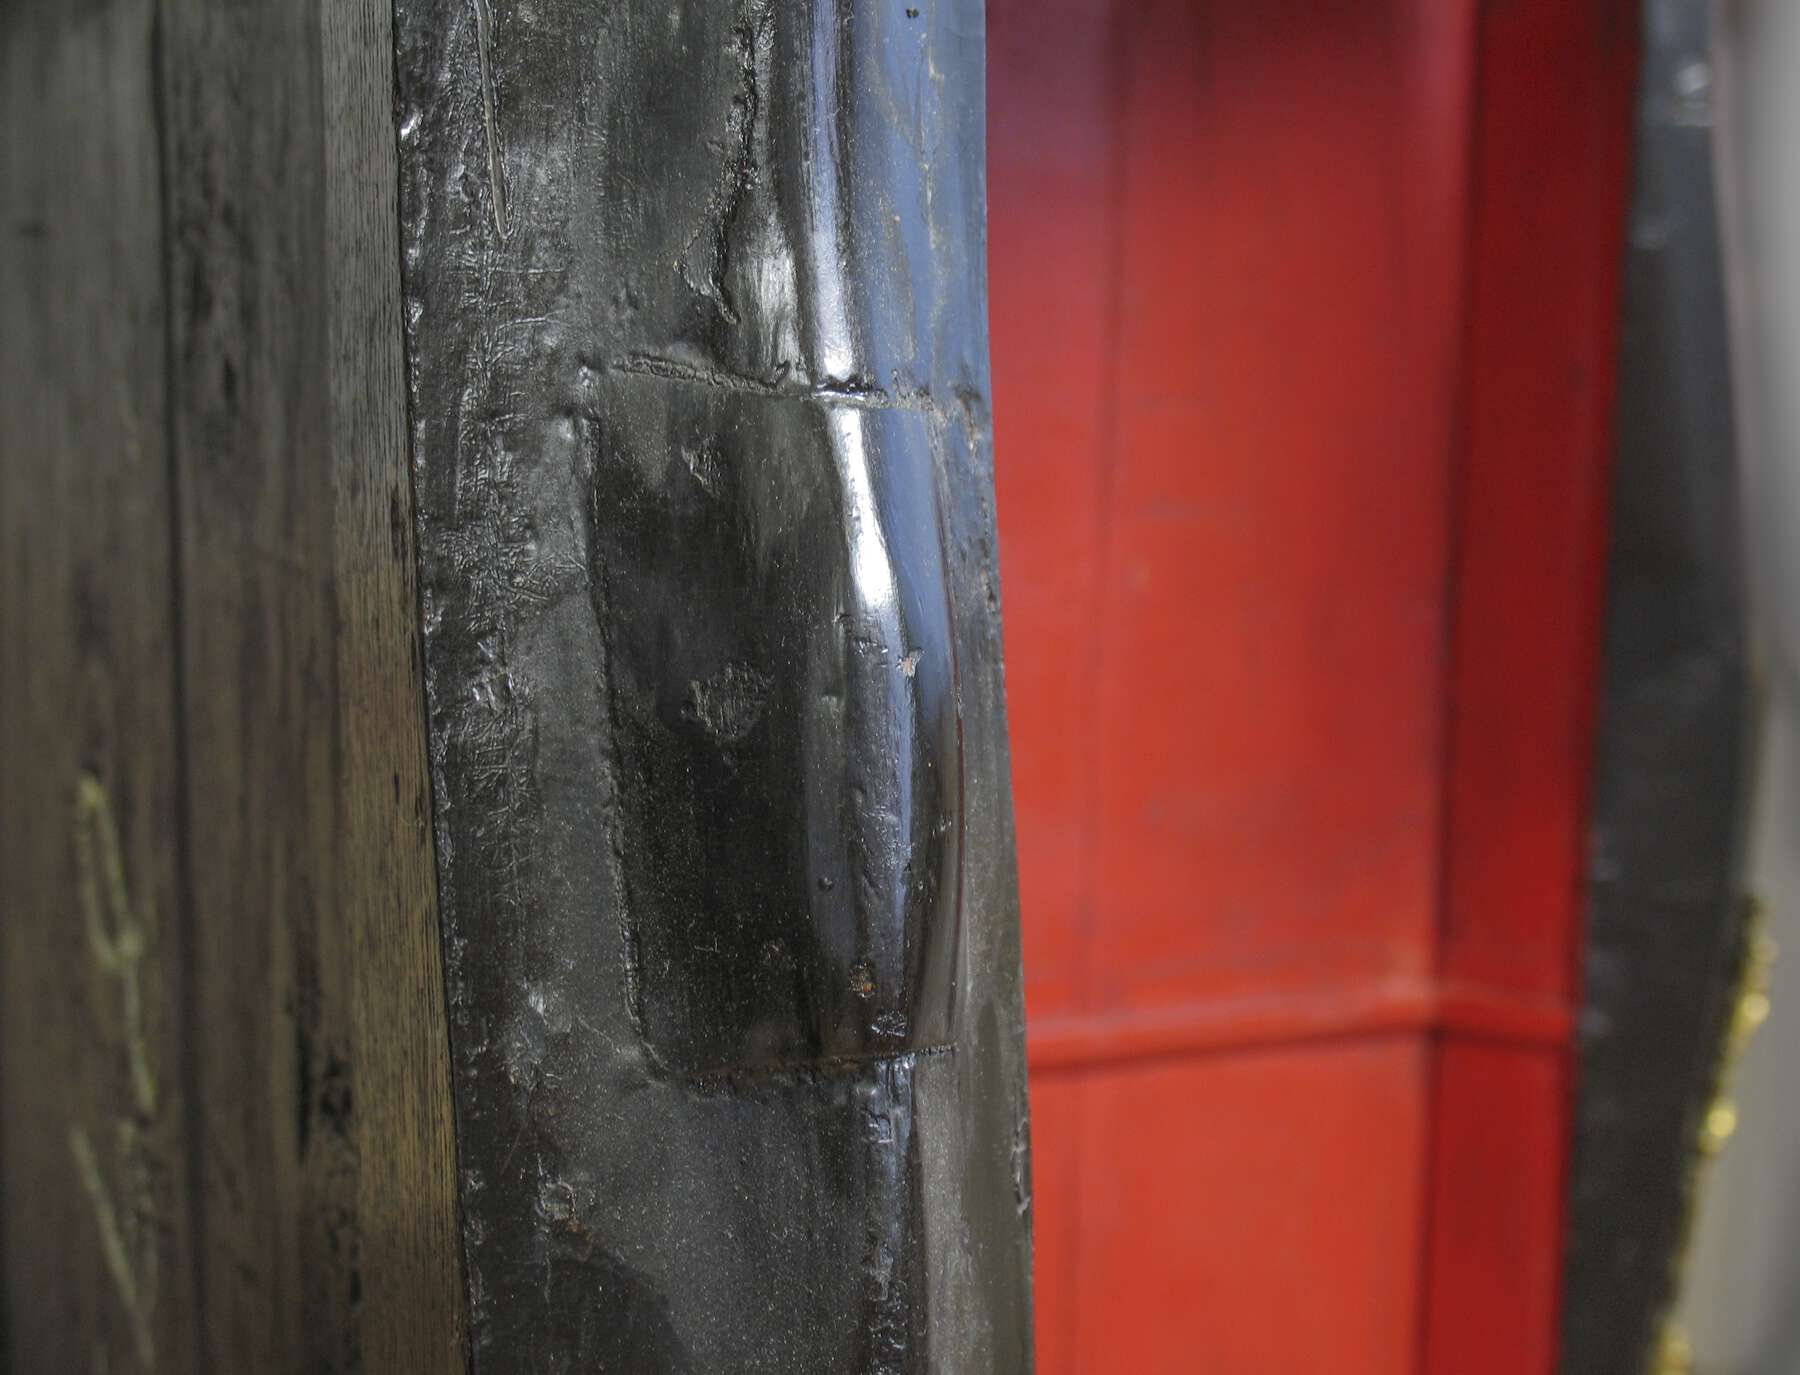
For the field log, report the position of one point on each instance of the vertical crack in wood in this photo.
(187, 978)
(484, 42)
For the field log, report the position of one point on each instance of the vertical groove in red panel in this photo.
(1459, 95)
(1117, 57)
(1549, 149)
(1549, 210)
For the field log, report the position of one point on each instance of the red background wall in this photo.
(1303, 322)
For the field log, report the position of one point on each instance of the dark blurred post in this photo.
(1667, 936)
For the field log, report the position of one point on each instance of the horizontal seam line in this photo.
(1072, 1042)
(834, 1065)
(668, 370)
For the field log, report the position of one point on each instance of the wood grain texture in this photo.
(254, 511)
(318, 986)
(209, 558)
(93, 1133)
(412, 1313)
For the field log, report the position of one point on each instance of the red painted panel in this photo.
(1495, 1247)
(1226, 268)
(1272, 625)
(1050, 137)
(1057, 1104)
(1219, 1236)
(1552, 145)
(1302, 376)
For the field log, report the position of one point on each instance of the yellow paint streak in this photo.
(112, 1246)
(118, 940)
(116, 937)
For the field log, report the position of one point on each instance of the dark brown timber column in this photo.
(698, 361)
(94, 1136)
(225, 1128)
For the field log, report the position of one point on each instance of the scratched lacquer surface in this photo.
(698, 363)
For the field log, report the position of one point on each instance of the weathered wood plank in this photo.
(259, 713)
(227, 1140)
(413, 1302)
(93, 1133)
(320, 1066)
